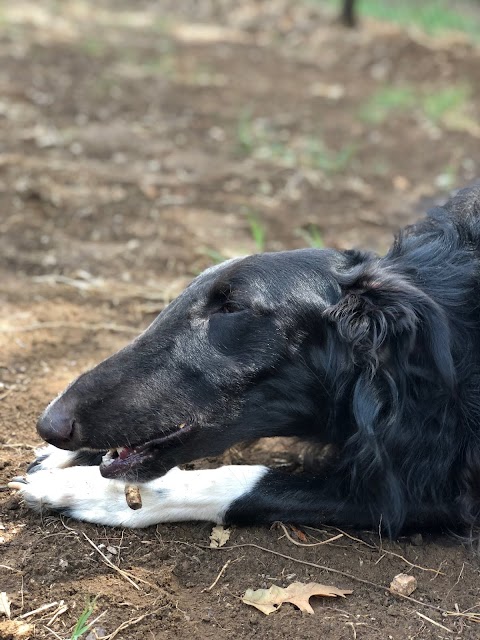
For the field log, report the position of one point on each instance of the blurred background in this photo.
(142, 141)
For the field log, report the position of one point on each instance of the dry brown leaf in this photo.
(298, 593)
(299, 533)
(4, 604)
(15, 629)
(219, 536)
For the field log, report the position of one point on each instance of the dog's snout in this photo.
(57, 425)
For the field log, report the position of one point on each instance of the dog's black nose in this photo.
(57, 425)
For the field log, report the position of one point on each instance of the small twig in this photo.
(126, 574)
(7, 393)
(222, 571)
(110, 564)
(458, 579)
(437, 624)
(44, 607)
(130, 623)
(308, 544)
(467, 613)
(380, 534)
(4, 566)
(61, 610)
(90, 624)
(347, 535)
(84, 326)
(54, 633)
(437, 572)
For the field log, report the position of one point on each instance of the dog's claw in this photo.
(35, 465)
(17, 483)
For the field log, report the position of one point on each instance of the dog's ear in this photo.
(394, 334)
(383, 317)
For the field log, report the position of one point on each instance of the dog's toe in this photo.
(36, 464)
(17, 482)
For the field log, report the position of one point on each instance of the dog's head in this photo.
(265, 345)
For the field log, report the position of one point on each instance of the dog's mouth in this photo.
(120, 461)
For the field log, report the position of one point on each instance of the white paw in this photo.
(82, 493)
(50, 457)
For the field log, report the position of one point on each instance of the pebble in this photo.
(403, 584)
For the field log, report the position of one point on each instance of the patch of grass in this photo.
(246, 137)
(312, 236)
(386, 100)
(381, 167)
(162, 24)
(437, 105)
(434, 17)
(82, 624)
(329, 161)
(163, 65)
(215, 256)
(259, 139)
(93, 47)
(257, 231)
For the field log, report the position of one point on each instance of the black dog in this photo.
(377, 356)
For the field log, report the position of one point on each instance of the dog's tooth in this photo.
(108, 458)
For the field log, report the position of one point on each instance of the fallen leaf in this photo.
(219, 536)
(299, 533)
(15, 629)
(4, 604)
(299, 594)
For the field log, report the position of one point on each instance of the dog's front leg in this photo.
(312, 500)
(82, 493)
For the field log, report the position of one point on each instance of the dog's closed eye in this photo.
(230, 306)
(223, 302)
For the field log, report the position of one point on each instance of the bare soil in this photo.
(136, 140)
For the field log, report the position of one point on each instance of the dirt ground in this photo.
(139, 142)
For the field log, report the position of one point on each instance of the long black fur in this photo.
(377, 356)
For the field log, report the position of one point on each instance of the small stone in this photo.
(403, 584)
(97, 632)
(416, 539)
